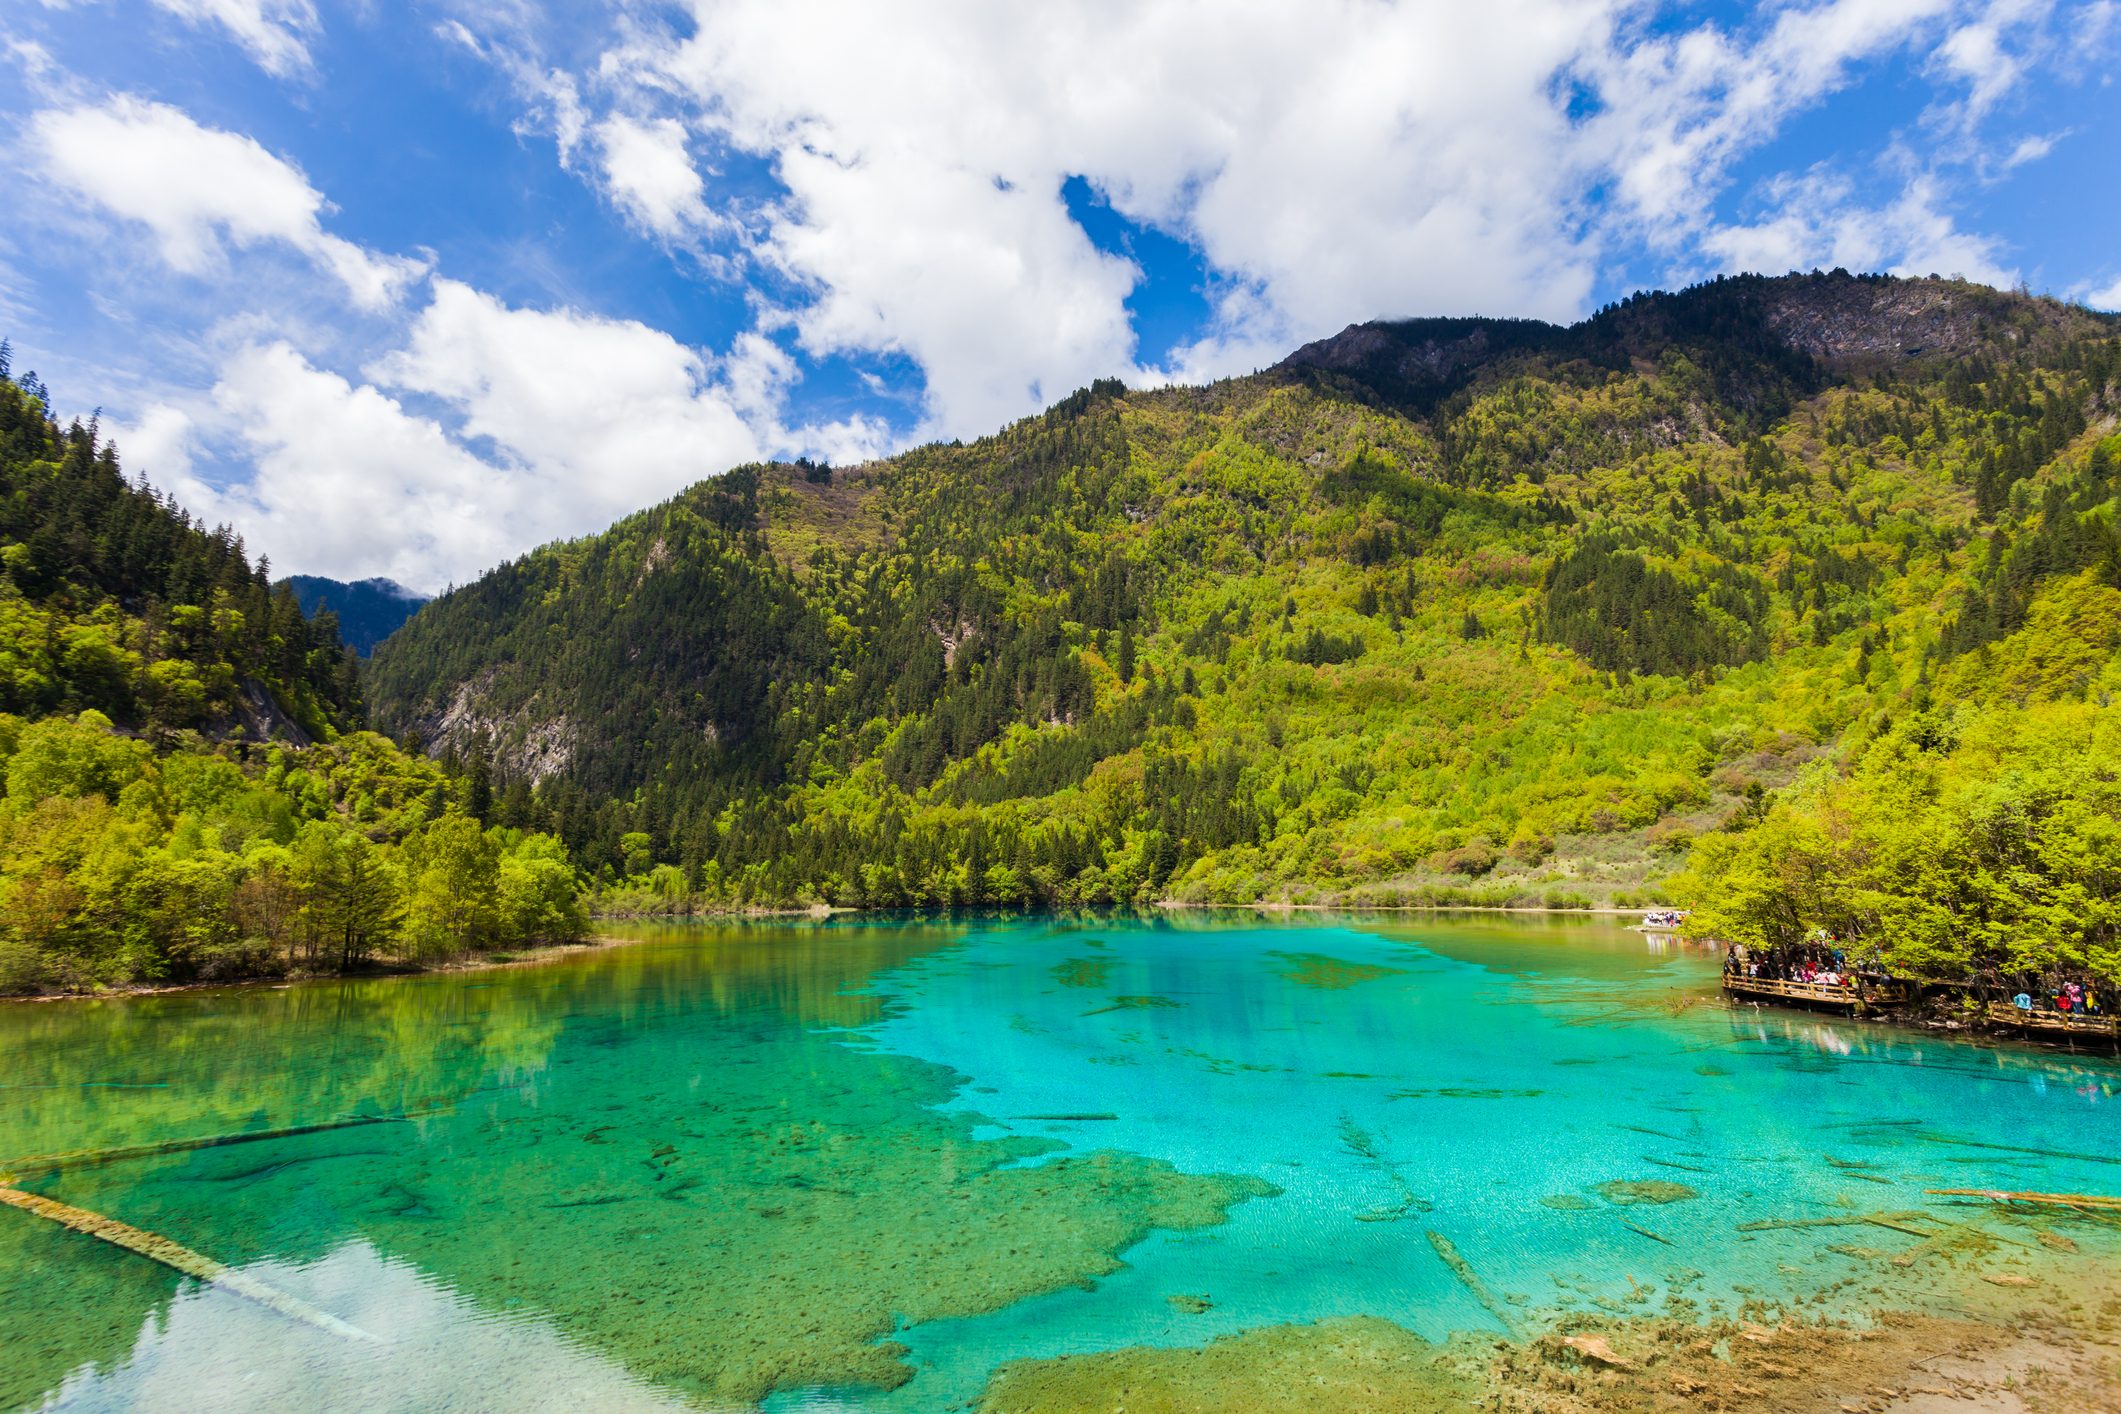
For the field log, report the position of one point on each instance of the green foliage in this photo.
(118, 866)
(1625, 615)
(114, 600)
(1494, 612)
(150, 829)
(1980, 842)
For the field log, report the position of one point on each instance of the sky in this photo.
(407, 289)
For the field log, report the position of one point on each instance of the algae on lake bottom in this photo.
(1312, 969)
(724, 1203)
(1351, 1365)
(1082, 971)
(766, 1157)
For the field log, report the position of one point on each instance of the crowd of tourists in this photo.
(2068, 998)
(1821, 961)
(1816, 963)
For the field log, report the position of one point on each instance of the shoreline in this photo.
(493, 962)
(1975, 1031)
(536, 957)
(1176, 906)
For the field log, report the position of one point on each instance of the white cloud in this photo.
(202, 191)
(275, 33)
(1818, 221)
(1975, 54)
(159, 443)
(553, 99)
(2108, 297)
(1330, 162)
(345, 481)
(1681, 109)
(2032, 148)
(649, 174)
(599, 416)
(492, 430)
(1993, 50)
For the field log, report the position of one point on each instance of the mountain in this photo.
(1474, 610)
(113, 599)
(185, 789)
(367, 610)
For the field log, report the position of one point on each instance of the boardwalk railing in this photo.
(1855, 998)
(2058, 1022)
(1841, 994)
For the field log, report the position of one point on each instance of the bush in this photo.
(1471, 860)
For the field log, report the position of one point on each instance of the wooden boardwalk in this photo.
(1854, 1000)
(2041, 1022)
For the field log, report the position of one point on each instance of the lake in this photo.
(862, 1163)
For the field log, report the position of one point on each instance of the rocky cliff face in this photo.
(1421, 354)
(1829, 317)
(1837, 317)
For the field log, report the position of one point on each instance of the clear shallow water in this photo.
(719, 1164)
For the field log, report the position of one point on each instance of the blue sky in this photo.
(407, 289)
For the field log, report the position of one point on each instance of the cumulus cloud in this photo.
(159, 443)
(1321, 158)
(599, 416)
(275, 33)
(202, 191)
(344, 480)
(1818, 220)
(650, 175)
(492, 430)
(1329, 162)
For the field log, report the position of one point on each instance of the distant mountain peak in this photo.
(368, 610)
(385, 586)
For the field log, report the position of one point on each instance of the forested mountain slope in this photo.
(184, 790)
(1446, 609)
(113, 599)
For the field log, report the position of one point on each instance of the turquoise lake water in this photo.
(715, 1167)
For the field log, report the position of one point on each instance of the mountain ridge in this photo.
(1832, 315)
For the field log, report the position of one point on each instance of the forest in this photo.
(185, 790)
(1673, 604)
(1795, 601)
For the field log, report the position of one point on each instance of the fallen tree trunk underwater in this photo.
(157, 1248)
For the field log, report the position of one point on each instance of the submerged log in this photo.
(1470, 1279)
(89, 1158)
(1778, 1224)
(2018, 1149)
(157, 1248)
(2083, 1202)
(1674, 1164)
